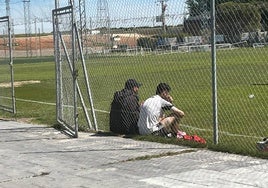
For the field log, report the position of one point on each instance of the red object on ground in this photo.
(199, 139)
(194, 138)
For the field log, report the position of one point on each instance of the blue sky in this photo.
(123, 13)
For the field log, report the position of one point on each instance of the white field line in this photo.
(183, 125)
(221, 132)
(46, 103)
(39, 102)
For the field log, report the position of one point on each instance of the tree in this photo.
(233, 19)
(201, 7)
(196, 7)
(198, 19)
(263, 8)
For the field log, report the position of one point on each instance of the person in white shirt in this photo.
(152, 118)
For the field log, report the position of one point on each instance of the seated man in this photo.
(152, 119)
(125, 109)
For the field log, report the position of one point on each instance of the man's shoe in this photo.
(263, 145)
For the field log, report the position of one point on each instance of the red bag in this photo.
(187, 137)
(194, 138)
(199, 139)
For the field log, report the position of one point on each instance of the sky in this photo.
(122, 13)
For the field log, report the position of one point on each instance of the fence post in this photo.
(214, 74)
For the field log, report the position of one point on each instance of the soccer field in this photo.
(240, 73)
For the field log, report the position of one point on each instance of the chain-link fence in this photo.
(154, 50)
(171, 41)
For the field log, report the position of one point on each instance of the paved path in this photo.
(37, 156)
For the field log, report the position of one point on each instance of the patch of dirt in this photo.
(19, 83)
(25, 120)
(44, 45)
(46, 42)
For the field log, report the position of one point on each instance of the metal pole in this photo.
(57, 61)
(40, 45)
(163, 5)
(214, 74)
(87, 82)
(57, 4)
(75, 71)
(35, 30)
(163, 14)
(8, 8)
(11, 65)
(4, 39)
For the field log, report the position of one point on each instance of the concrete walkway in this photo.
(37, 156)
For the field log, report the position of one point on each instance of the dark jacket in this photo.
(124, 112)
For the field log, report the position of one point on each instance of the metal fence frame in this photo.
(59, 43)
(72, 129)
(4, 107)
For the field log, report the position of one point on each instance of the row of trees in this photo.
(233, 17)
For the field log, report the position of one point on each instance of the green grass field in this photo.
(240, 72)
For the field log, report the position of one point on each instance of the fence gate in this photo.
(7, 93)
(69, 62)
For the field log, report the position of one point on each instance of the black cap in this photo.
(130, 83)
(162, 87)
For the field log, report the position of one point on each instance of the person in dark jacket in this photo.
(125, 109)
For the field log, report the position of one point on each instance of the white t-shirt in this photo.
(150, 114)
